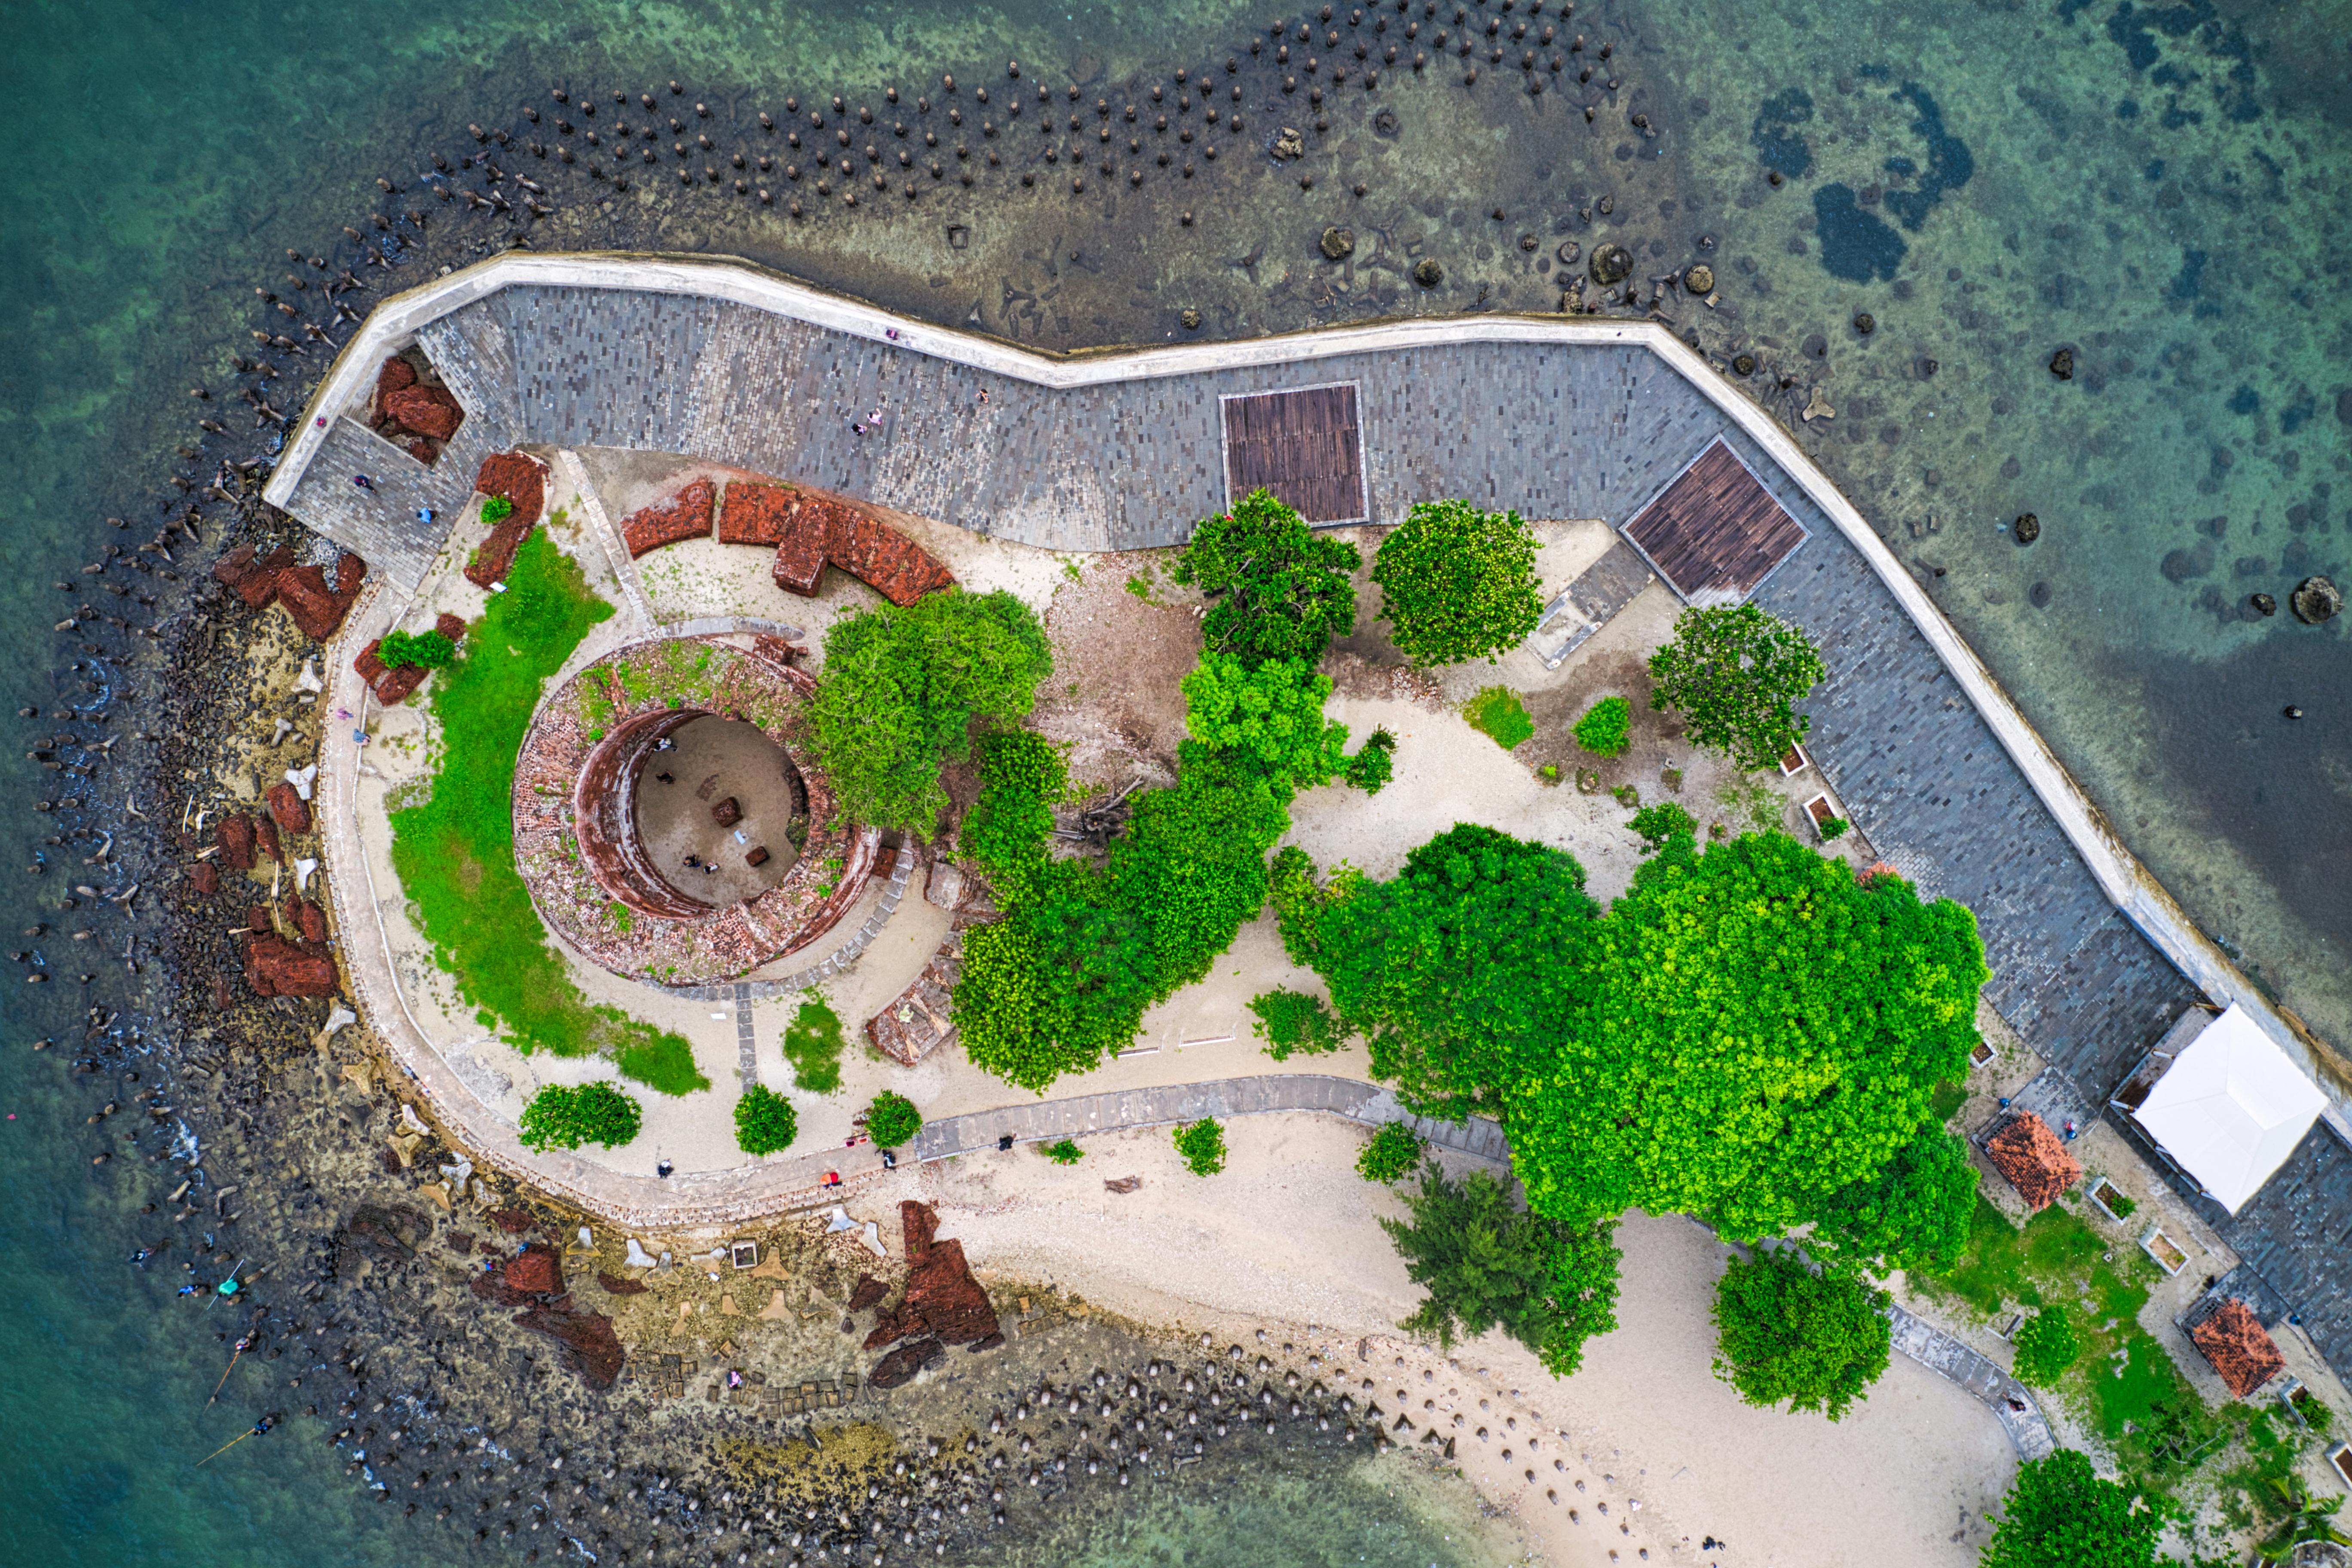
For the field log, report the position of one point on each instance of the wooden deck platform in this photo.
(1714, 533)
(1303, 445)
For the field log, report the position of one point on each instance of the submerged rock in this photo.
(1339, 244)
(1699, 279)
(2263, 605)
(2028, 528)
(1429, 274)
(2062, 365)
(1611, 263)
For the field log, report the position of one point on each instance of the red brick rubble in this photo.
(942, 1298)
(685, 515)
(287, 805)
(522, 479)
(262, 580)
(813, 530)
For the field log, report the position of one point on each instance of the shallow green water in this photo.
(166, 157)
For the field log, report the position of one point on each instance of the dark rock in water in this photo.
(2040, 596)
(1744, 364)
(618, 1287)
(901, 1365)
(1866, 324)
(1611, 263)
(1429, 274)
(591, 1348)
(2062, 365)
(1192, 320)
(1288, 144)
(2291, 711)
(2184, 565)
(1700, 279)
(2316, 600)
(869, 1293)
(1570, 251)
(2028, 528)
(2263, 605)
(1339, 244)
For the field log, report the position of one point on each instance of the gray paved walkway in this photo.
(1050, 1120)
(1940, 1353)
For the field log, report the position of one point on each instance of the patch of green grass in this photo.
(812, 1045)
(455, 851)
(1946, 1103)
(2005, 1264)
(1497, 713)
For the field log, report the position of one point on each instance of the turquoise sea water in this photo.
(2157, 188)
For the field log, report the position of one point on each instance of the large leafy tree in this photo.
(1762, 1028)
(902, 690)
(1458, 583)
(2059, 1514)
(1913, 1213)
(1731, 673)
(1784, 1332)
(1486, 1262)
(1263, 722)
(1460, 971)
(1276, 591)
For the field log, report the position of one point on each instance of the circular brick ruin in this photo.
(670, 821)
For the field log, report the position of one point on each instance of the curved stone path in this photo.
(1946, 1357)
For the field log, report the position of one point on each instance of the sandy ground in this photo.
(1285, 1240)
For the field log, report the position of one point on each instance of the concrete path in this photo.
(1940, 1353)
(1050, 1120)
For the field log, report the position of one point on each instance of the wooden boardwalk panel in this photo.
(1715, 533)
(1303, 445)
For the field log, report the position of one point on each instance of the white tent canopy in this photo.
(2231, 1109)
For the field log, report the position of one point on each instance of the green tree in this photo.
(2046, 1347)
(902, 690)
(813, 1043)
(1391, 1155)
(425, 650)
(1202, 1146)
(1731, 673)
(2301, 1518)
(1263, 722)
(1459, 972)
(1293, 1021)
(1486, 1262)
(1784, 1332)
(1276, 590)
(764, 1121)
(1373, 764)
(1911, 1214)
(1662, 824)
(1759, 1028)
(1458, 583)
(1022, 776)
(2058, 1514)
(892, 1120)
(1606, 729)
(563, 1116)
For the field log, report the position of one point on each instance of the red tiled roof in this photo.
(2234, 1340)
(2033, 1159)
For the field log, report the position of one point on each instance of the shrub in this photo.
(562, 1116)
(1485, 1262)
(813, 1042)
(765, 1121)
(1497, 713)
(1458, 583)
(1606, 729)
(1276, 590)
(1065, 1153)
(2046, 1347)
(1625, 795)
(1292, 1021)
(1202, 1147)
(902, 690)
(496, 510)
(1730, 673)
(423, 651)
(2059, 1514)
(1833, 828)
(1392, 1154)
(1371, 768)
(1784, 1332)
(892, 1120)
(1660, 825)
(2121, 1206)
